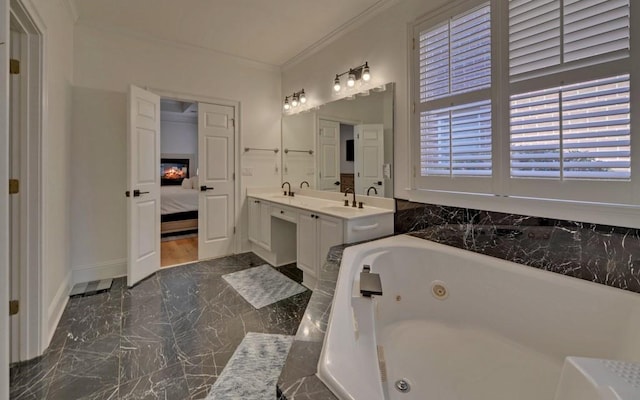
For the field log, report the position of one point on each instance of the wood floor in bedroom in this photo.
(179, 251)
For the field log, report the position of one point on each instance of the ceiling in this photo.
(268, 31)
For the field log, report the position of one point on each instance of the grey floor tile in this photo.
(81, 375)
(167, 383)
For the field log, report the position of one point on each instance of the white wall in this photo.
(383, 42)
(180, 138)
(105, 63)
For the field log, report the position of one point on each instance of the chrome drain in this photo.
(403, 386)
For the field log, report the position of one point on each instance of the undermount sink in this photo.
(343, 210)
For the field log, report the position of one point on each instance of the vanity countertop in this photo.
(331, 207)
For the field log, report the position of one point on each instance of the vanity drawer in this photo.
(285, 213)
(373, 227)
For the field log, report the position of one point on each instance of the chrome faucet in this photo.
(304, 182)
(287, 192)
(346, 202)
(374, 189)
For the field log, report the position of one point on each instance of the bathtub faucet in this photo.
(303, 182)
(370, 282)
(374, 190)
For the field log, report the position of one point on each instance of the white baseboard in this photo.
(103, 270)
(56, 308)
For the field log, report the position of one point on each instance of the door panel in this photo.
(217, 210)
(369, 158)
(329, 155)
(216, 135)
(143, 210)
(217, 149)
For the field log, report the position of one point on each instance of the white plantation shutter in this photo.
(581, 131)
(454, 60)
(544, 34)
(456, 56)
(456, 141)
(534, 35)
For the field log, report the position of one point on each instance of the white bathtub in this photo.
(502, 333)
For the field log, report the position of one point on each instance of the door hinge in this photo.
(14, 186)
(233, 176)
(233, 122)
(14, 66)
(14, 307)
(234, 230)
(414, 171)
(414, 43)
(413, 107)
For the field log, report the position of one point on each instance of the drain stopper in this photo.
(403, 386)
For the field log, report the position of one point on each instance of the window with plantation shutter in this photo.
(455, 67)
(528, 99)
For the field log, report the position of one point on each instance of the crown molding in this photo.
(337, 33)
(72, 8)
(98, 26)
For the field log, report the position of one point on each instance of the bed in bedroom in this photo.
(178, 199)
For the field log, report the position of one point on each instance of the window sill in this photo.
(599, 213)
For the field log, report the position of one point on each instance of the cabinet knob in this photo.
(281, 212)
(313, 216)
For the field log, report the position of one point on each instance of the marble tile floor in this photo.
(168, 337)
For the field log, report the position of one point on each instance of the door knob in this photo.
(337, 183)
(137, 193)
(379, 183)
(204, 188)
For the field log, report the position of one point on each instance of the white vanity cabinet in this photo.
(260, 223)
(303, 229)
(316, 234)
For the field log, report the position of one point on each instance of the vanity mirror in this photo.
(344, 144)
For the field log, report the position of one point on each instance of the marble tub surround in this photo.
(329, 203)
(168, 337)
(597, 253)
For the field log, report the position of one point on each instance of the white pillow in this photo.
(194, 182)
(186, 183)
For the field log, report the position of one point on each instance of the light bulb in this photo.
(366, 74)
(286, 104)
(303, 97)
(294, 101)
(351, 82)
(336, 84)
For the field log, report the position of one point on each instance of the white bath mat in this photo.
(253, 370)
(263, 285)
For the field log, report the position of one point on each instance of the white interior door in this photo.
(216, 135)
(15, 200)
(369, 158)
(329, 155)
(143, 208)
(4, 197)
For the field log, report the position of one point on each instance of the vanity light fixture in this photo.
(362, 72)
(297, 98)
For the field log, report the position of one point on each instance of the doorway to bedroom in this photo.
(179, 182)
